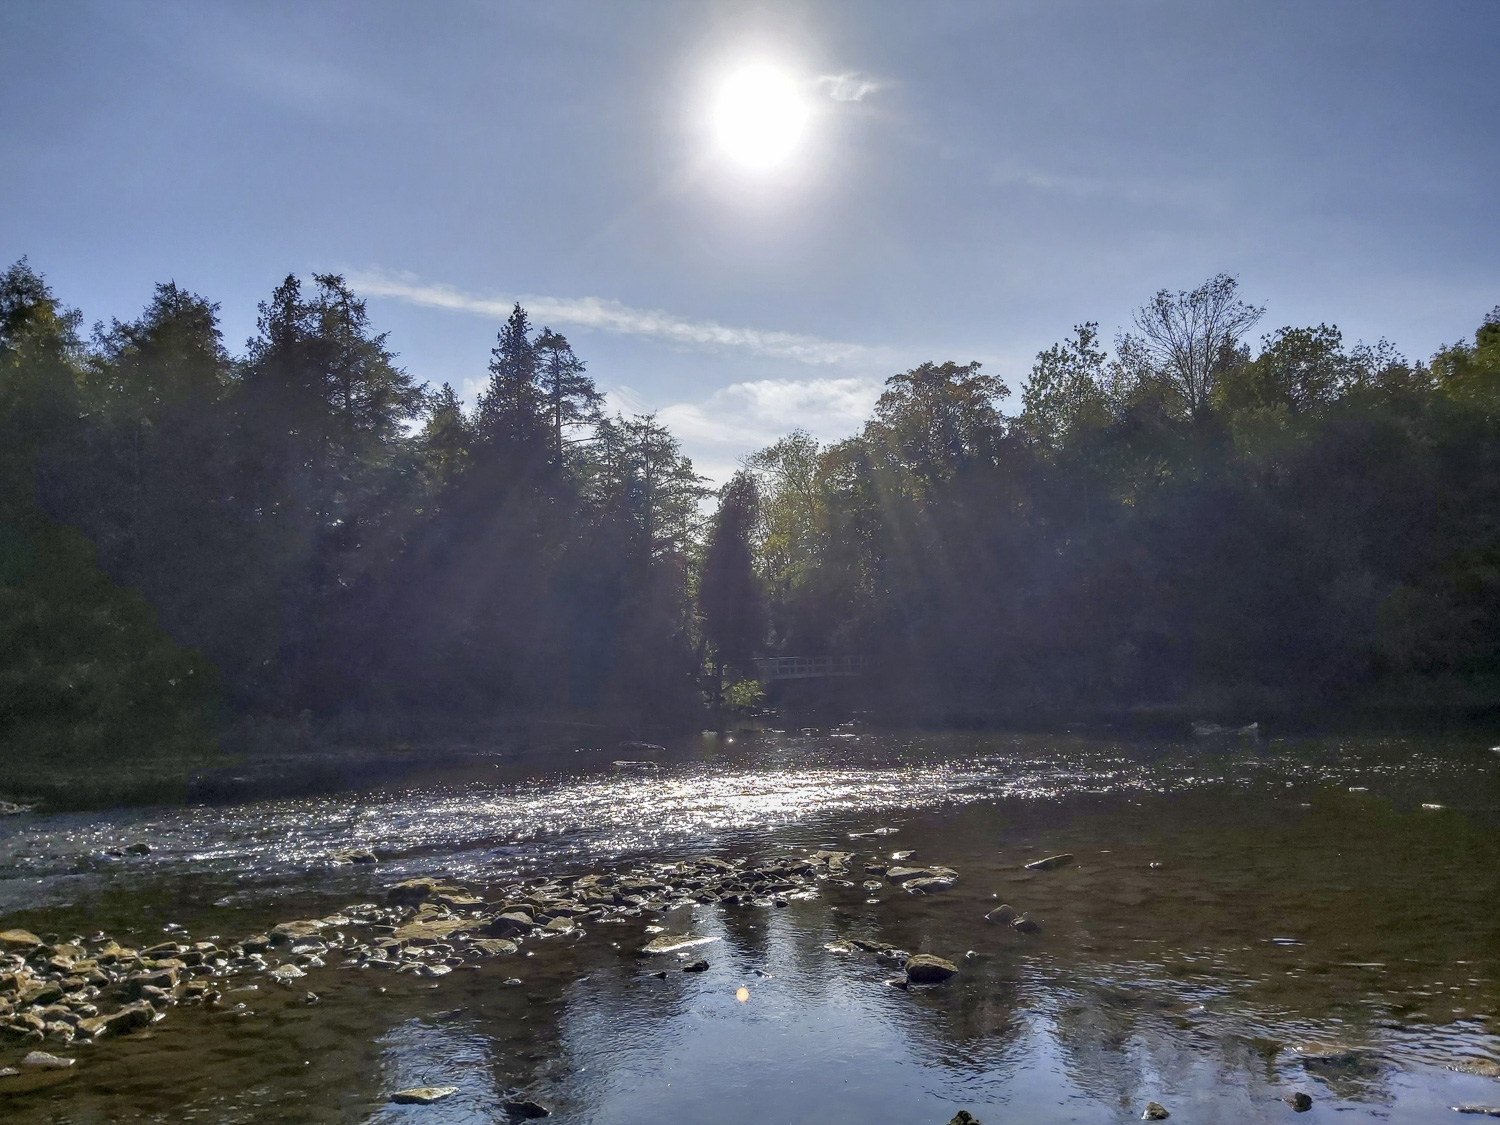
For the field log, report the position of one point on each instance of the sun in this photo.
(759, 117)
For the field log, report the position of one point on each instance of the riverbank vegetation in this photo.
(1198, 517)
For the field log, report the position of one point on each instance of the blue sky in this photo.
(973, 180)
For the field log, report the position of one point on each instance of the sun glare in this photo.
(759, 117)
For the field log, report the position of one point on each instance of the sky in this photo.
(965, 181)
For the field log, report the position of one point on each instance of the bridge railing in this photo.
(808, 667)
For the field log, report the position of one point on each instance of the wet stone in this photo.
(1002, 915)
(1051, 863)
(1299, 1101)
(924, 968)
(964, 1117)
(423, 1095)
(699, 965)
(41, 1060)
(1155, 1111)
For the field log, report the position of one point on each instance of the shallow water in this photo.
(1311, 925)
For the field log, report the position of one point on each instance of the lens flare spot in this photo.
(742, 995)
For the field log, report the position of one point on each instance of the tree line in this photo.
(1188, 519)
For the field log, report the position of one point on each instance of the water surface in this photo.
(1244, 919)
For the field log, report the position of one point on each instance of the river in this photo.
(1243, 920)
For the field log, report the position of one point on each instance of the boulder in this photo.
(1002, 915)
(13, 940)
(924, 968)
(1155, 1111)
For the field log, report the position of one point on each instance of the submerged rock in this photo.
(1299, 1101)
(423, 1095)
(696, 966)
(930, 884)
(41, 1060)
(1002, 915)
(524, 1108)
(924, 968)
(1485, 1110)
(1155, 1111)
(1051, 862)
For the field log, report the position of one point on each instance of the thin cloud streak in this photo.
(848, 87)
(606, 315)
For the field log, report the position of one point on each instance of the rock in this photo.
(1048, 864)
(1485, 1068)
(698, 966)
(1025, 925)
(525, 1108)
(495, 946)
(423, 1095)
(671, 943)
(930, 884)
(964, 1117)
(426, 932)
(511, 922)
(128, 1018)
(560, 926)
(1002, 915)
(8, 1072)
(294, 931)
(41, 1060)
(1155, 1111)
(12, 940)
(924, 968)
(137, 849)
(1299, 1101)
(411, 891)
(872, 885)
(1485, 1110)
(284, 973)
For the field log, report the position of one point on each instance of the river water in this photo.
(1244, 920)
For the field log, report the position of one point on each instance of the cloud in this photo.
(742, 417)
(848, 87)
(606, 315)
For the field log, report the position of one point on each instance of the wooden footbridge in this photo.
(808, 667)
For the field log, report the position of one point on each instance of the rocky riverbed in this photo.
(1081, 936)
(74, 990)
